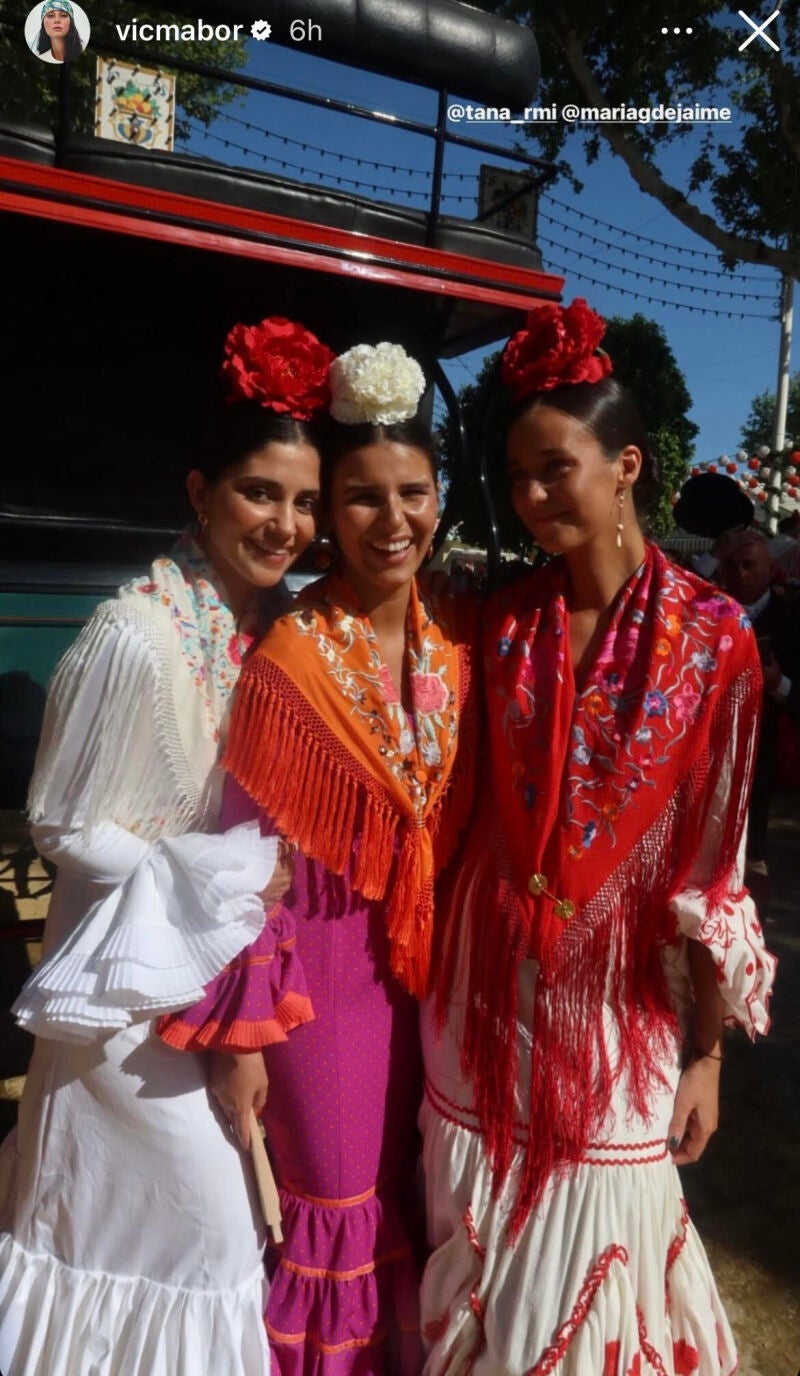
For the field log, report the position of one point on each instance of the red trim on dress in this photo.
(656, 1145)
(553, 1354)
(472, 1234)
(674, 1250)
(648, 1351)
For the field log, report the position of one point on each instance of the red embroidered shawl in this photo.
(593, 807)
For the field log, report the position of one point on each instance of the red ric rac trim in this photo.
(240, 1035)
(648, 1351)
(551, 1357)
(674, 1250)
(472, 1234)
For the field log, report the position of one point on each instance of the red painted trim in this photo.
(217, 227)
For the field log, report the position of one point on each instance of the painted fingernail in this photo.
(674, 1143)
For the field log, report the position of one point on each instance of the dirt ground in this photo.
(744, 1195)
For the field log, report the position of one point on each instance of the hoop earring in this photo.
(202, 520)
(620, 522)
(429, 553)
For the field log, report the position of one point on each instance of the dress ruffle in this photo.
(345, 1283)
(50, 1312)
(155, 941)
(609, 1272)
(732, 933)
(256, 1000)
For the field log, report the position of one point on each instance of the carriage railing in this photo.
(539, 172)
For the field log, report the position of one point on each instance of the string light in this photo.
(323, 176)
(657, 300)
(637, 255)
(648, 277)
(631, 234)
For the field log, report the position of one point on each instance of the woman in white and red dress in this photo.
(597, 932)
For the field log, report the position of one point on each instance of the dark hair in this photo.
(72, 43)
(608, 410)
(239, 429)
(343, 439)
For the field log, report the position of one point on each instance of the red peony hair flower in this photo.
(278, 364)
(556, 346)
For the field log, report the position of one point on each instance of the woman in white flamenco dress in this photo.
(131, 1237)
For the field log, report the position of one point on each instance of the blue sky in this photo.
(726, 361)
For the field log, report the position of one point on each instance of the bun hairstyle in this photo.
(556, 361)
(276, 378)
(376, 390)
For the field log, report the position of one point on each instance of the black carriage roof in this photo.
(442, 44)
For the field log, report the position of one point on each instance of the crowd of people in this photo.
(392, 860)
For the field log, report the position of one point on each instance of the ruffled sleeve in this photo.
(138, 924)
(152, 943)
(261, 995)
(727, 922)
(256, 1000)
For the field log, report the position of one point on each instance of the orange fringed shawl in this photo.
(320, 740)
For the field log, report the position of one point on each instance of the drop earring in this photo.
(620, 522)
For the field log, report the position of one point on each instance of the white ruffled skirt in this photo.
(131, 1238)
(608, 1277)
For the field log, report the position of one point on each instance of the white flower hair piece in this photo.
(376, 384)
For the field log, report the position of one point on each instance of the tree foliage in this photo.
(757, 429)
(606, 55)
(31, 88)
(644, 362)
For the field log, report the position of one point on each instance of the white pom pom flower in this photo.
(376, 384)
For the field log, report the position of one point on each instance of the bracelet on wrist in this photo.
(696, 1054)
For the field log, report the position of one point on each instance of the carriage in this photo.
(131, 263)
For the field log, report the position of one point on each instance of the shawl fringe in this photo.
(320, 797)
(610, 953)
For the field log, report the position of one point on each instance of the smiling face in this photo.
(261, 514)
(563, 484)
(383, 509)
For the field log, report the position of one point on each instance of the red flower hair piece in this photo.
(556, 346)
(280, 365)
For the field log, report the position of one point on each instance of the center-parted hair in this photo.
(242, 429)
(341, 440)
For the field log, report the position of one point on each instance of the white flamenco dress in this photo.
(608, 1276)
(130, 1234)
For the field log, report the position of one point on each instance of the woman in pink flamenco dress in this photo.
(353, 737)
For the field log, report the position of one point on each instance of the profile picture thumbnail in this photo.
(57, 31)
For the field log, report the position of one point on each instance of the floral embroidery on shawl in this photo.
(353, 659)
(211, 644)
(347, 777)
(559, 866)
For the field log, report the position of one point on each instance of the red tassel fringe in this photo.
(609, 953)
